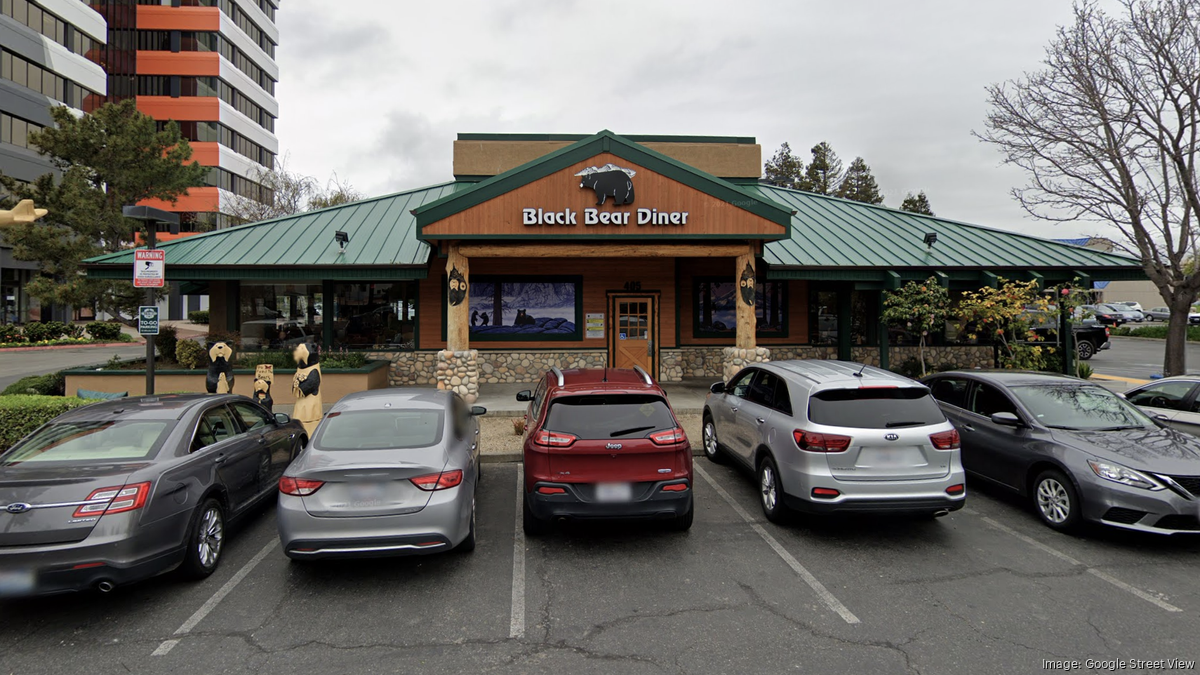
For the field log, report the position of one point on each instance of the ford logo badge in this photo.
(892, 437)
(18, 507)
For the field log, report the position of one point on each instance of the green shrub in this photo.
(1085, 371)
(199, 316)
(190, 354)
(105, 330)
(42, 385)
(10, 333)
(39, 331)
(21, 415)
(165, 341)
(231, 338)
(74, 331)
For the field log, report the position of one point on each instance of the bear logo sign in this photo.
(609, 180)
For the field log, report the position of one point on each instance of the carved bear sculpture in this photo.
(220, 369)
(306, 387)
(264, 377)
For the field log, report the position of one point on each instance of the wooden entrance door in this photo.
(634, 332)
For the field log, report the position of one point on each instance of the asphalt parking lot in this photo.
(986, 589)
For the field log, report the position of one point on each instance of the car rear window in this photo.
(380, 430)
(89, 441)
(875, 408)
(609, 416)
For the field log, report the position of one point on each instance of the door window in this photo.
(741, 384)
(216, 425)
(1168, 395)
(951, 390)
(633, 319)
(252, 416)
(770, 391)
(989, 400)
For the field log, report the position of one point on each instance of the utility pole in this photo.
(151, 217)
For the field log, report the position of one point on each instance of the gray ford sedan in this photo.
(388, 472)
(1078, 451)
(114, 492)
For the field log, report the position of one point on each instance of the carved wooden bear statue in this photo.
(306, 387)
(264, 377)
(220, 369)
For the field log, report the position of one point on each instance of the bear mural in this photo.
(607, 181)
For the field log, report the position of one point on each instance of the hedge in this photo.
(52, 384)
(103, 330)
(21, 415)
(1160, 332)
(199, 316)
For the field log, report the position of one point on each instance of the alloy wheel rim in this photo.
(768, 488)
(1053, 501)
(212, 536)
(710, 439)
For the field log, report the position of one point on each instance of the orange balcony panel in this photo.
(200, 199)
(158, 17)
(183, 109)
(207, 153)
(198, 64)
(161, 237)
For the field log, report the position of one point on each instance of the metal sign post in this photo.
(149, 272)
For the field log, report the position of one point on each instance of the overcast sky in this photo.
(376, 90)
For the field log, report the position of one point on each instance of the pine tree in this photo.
(824, 173)
(917, 203)
(859, 185)
(784, 168)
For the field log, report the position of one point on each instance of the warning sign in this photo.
(149, 268)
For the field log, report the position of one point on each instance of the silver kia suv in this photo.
(836, 437)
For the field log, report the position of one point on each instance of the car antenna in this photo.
(605, 377)
(860, 370)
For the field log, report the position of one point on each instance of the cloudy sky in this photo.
(376, 90)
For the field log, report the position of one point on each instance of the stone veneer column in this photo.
(745, 350)
(459, 372)
(737, 358)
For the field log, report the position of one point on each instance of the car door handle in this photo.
(733, 408)
(759, 420)
(219, 459)
(968, 427)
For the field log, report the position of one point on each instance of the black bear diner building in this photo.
(664, 252)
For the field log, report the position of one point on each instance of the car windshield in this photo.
(89, 442)
(609, 416)
(380, 430)
(875, 408)
(1088, 407)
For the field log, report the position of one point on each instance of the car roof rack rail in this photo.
(558, 374)
(643, 373)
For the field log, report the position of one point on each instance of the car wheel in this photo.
(770, 491)
(531, 524)
(712, 447)
(205, 542)
(467, 545)
(1055, 499)
(684, 523)
(1086, 350)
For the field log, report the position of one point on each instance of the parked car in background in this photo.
(388, 472)
(1076, 450)
(1173, 400)
(1089, 339)
(1112, 315)
(836, 437)
(1135, 306)
(604, 443)
(116, 492)
(1158, 314)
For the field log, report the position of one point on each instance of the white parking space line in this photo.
(211, 604)
(828, 598)
(1072, 561)
(516, 624)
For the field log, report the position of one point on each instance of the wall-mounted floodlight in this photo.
(342, 239)
(930, 239)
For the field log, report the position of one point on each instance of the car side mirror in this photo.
(478, 410)
(524, 395)
(1006, 419)
(717, 388)
(281, 418)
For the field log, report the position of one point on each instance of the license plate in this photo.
(614, 492)
(367, 492)
(889, 458)
(17, 583)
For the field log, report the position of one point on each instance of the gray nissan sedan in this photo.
(114, 492)
(388, 472)
(1076, 450)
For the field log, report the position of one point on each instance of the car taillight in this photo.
(116, 500)
(946, 440)
(299, 487)
(956, 489)
(438, 481)
(668, 437)
(814, 442)
(825, 493)
(675, 487)
(545, 490)
(554, 439)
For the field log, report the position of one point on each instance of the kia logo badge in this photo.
(18, 507)
(892, 437)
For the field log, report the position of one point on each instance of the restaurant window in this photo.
(375, 316)
(280, 316)
(864, 318)
(716, 308)
(823, 317)
(531, 309)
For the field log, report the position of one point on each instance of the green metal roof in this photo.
(636, 138)
(382, 234)
(828, 232)
(585, 148)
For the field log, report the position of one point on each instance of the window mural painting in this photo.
(716, 309)
(524, 309)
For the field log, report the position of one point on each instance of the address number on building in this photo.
(633, 285)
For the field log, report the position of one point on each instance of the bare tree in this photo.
(1107, 131)
(292, 192)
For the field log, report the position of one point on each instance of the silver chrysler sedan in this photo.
(114, 492)
(388, 472)
(836, 437)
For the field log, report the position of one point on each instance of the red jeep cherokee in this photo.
(604, 443)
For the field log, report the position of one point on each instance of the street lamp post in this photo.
(151, 217)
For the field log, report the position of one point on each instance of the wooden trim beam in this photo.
(601, 250)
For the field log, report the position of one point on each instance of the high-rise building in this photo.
(44, 51)
(210, 66)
